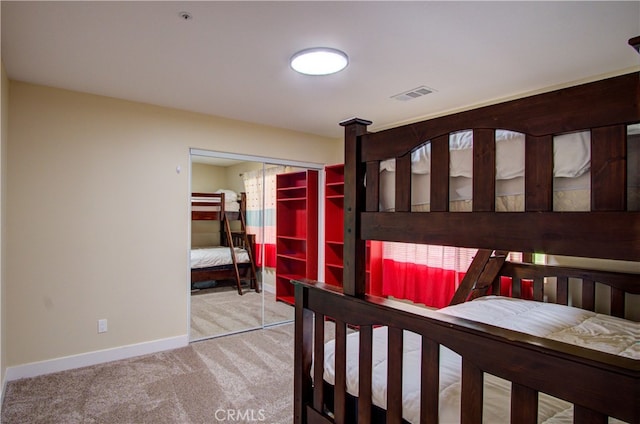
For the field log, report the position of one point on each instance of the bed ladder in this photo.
(481, 274)
(232, 237)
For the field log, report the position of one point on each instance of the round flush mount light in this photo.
(319, 61)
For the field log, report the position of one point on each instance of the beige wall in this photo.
(207, 178)
(98, 216)
(234, 178)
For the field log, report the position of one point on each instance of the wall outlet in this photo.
(102, 326)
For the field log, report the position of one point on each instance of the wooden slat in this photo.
(471, 277)
(496, 287)
(588, 295)
(617, 302)
(364, 391)
(484, 170)
(394, 376)
(488, 275)
(524, 404)
(538, 289)
(538, 170)
(318, 364)
(627, 282)
(609, 168)
(471, 396)
(440, 174)
(557, 365)
(340, 387)
(373, 186)
(314, 417)
(353, 278)
(516, 287)
(573, 110)
(559, 233)
(582, 415)
(403, 183)
(430, 381)
(303, 355)
(562, 290)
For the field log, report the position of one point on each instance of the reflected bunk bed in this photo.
(233, 259)
(486, 358)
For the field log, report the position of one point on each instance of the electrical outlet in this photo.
(102, 326)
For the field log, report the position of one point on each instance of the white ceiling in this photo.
(231, 59)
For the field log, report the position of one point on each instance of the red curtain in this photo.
(420, 273)
(424, 274)
(269, 255)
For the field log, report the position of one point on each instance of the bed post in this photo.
(354, 198)
(302, 357)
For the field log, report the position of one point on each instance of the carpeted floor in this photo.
(245, 377)
(222, 310)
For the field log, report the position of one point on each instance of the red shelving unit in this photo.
(296, 230)
(334, 226)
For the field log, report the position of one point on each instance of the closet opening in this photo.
(234, 283)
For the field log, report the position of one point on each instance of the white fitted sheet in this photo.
(215, 256)
(557, 322)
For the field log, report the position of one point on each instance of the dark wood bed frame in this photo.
(598, 384)
(221, 272)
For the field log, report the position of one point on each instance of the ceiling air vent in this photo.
(412, 94)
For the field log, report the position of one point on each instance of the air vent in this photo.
(412, 94)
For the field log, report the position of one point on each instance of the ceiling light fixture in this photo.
(319, 61)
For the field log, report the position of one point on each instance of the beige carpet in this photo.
(222, 310)
(246, 377)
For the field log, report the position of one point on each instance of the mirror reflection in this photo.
(233, 247)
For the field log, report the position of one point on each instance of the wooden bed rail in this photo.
(619, 284)
(212, 206)
(604, 108)
(484, 276)
(609, 385)
(600, 104)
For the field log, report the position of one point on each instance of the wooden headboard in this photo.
(608, 230)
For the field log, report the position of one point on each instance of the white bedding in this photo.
(572, 182)
(571, 155)
(231, 203)
(552, 321)
(215, 256)
(215, 207)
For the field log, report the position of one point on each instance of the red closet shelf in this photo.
(296, 256)
(296, 230)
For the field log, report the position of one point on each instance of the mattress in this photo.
(215, 256)
(557, 322)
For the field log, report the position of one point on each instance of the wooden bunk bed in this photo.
(366, 371)
(233, 259)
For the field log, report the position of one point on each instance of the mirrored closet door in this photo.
(233, 245)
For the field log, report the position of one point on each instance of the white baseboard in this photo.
(93, 358)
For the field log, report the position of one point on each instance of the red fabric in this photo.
(374, 284)
(424, 274)
(526, 288)
(269, 255)
(419, 283)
